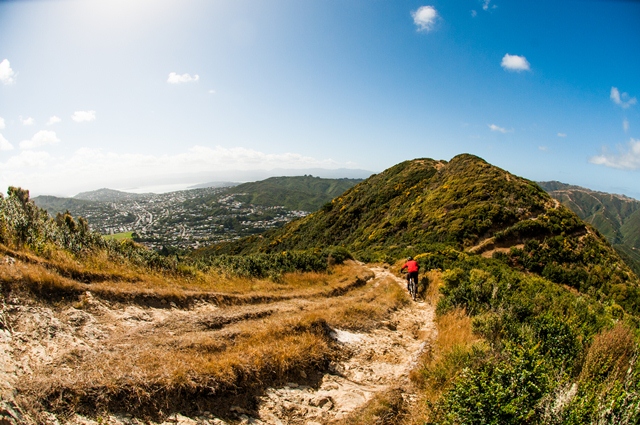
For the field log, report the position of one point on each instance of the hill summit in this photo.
(466, 204)
(459, 202)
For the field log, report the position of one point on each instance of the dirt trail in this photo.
(380, 359)
(374, 361)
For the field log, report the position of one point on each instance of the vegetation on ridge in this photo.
(425, 205)
(529, 351)
(419, 201)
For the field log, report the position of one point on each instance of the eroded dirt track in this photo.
(379, 359)
(38, 338)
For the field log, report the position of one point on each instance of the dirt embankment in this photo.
(54, 346)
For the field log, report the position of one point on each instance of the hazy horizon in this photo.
(230, 177)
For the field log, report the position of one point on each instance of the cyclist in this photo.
(413, 268)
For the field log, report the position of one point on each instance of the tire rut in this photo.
(378, 360)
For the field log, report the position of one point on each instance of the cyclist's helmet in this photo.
(410, 258)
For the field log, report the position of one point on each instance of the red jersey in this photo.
(411, 266)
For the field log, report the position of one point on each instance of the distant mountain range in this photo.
(617, 217)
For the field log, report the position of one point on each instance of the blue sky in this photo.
(140, 94)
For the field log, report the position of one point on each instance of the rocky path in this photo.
(374, 361)
(380, 359)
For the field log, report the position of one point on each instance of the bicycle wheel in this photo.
(413, 289)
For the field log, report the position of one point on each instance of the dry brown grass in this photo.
(432, 293)
(37, 279)
(364, 309)
(385, 408)
(152, 374)
(62, 277)
(437, 368)
(610, 354)
(178, 364)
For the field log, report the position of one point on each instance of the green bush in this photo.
(23, 224)
(545, 340)
(275, 264)
(504, 389)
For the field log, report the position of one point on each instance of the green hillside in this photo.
(419, 201)
(110, 195)
(537, 313)
(465, 204)
(617, 217)
(54, 205)
(300, 193)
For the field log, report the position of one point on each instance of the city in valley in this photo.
(183, 219)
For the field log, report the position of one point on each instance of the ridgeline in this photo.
(465, 204)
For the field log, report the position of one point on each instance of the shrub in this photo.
(504, 389)
(609, 355)
(274, 265)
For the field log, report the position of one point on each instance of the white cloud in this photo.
(543, 148)
(4, 144)
(27, 160)
(212, 92)
(7, 76)
(2, 124)
(628, 158)
(88, 169)
(485, 4)
(494, 127)
(515, 63)
(83, 116)
(27, 121)
(623, 99)
(562, 134)
(184, 78)
(53, 120)
(474, 13)
(425, 18)
(625, 125)
(41, 138)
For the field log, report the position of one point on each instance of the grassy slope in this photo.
(54, 204)
(156, 369)
(304, 193)
(419, 201)
(424, 203)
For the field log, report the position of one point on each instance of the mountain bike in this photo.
(412, 286)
